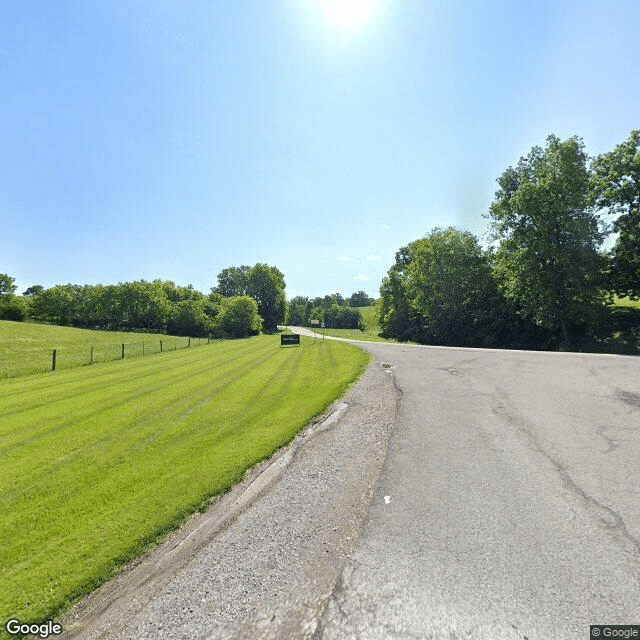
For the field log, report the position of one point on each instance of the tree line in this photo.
(157, 306)
(334, 310)
(245, 301)
(543, 281)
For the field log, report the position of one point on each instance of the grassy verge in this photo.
(367, 335)
(100, 462)
(370, 333)
(26, 348)
(616, 331)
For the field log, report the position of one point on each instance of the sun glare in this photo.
(347, 13)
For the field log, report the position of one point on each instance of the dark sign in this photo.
(289, 338)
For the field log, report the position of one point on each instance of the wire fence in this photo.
(70, 356)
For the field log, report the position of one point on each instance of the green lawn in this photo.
(367, 335)
(99, 462)
(370, 333)
(27, 348)
(369, 317)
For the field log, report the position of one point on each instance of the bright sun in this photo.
(347, 13)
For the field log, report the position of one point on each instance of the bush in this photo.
(14, 308)
(188, 318)
(238, 318)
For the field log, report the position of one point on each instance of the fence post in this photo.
(189, 343)
(53, 360)
(123, 350)
(160, 346)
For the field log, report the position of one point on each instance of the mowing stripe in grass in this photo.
(148, 367)
(110, 457)
(166, 378)
(26, 348)
(164, 407)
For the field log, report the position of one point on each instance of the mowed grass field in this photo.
(99, 462)
(27, 348)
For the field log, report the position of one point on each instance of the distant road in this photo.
(454, 493)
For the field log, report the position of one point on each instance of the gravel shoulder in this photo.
(263, 561)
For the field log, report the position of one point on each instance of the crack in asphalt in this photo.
(627, 397)
(614, 523)
(632, 399)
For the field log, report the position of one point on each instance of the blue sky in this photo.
(169, 139)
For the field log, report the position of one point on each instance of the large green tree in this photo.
(360, 299)
(393, 309)
(298, 310)
(12, 307)
(616, 188)
(441, 291)
(56, 304)
(450, 287)
(547, 260)
(265, 284)
(7, 285)
(33, 290)
(233, 281)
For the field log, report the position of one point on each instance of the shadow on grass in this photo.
(619, 333)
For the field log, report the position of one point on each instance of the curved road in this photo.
(453, 493)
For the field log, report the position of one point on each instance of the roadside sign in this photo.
(289, 338)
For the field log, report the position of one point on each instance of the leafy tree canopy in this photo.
(233, 281)
(33, 290)
(547, 260)
(266, 286)
(439, 291)
(616, 188)
(239, 317)
(7, 285)
(360, 299)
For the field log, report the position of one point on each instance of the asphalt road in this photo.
(512, 505)
(454, 493)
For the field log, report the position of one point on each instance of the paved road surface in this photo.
(458, 493)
